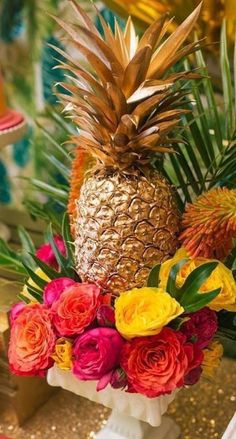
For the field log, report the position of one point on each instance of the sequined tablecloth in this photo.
(203, 412)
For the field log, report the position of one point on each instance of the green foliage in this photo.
(47, 194)
(188, 295)
(208, 157)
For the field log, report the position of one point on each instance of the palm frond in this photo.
(208, 158)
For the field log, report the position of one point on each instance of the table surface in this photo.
(203, 412)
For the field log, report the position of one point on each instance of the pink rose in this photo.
(75, 309)
(45, 252)
(16, 310)
(53, 289)
(106, 315)
(32, 341)
(96, 355)
(201, 327)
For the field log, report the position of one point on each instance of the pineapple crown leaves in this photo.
(124, 102)
(188, 295)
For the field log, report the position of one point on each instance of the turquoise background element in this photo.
(110, 18)
(5, 187)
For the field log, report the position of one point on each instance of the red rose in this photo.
(155, 365)
(106, 315)
(201, 327)
(45, 252)
(195, 359)
(75, 309)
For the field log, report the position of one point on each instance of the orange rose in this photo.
(75, 309)
(32, 341)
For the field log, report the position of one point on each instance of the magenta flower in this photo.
(53, 289)
(118, 379)
(106, 315)
(45, 252)
(201, 327)
(16, 310)
(97, 355)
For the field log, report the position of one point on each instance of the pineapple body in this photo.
(125, 225)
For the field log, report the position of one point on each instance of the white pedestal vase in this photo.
(231, 430)
(133, 416)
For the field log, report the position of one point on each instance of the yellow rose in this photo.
(63, 354)
(26, 292)
(212, 359)
(144, 311)
(221, 277)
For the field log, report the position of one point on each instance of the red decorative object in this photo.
(12, 123)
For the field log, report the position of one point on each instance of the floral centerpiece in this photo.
(150, 340)
(130, 300)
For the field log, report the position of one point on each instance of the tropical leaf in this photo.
(153, 278)
(208, 157)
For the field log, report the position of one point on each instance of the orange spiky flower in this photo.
(79, 166)
(210, 224)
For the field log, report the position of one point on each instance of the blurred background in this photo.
(34, 188)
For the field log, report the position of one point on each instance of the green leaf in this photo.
(194, 281)
(60, 167)
(35, 293)
(67, 238)
(153, 278)
(201, 300)
(52, 274)
(11, 264)
(41, 283)
(64, 263)
(231, 259)
(171, 287)
(23, 298)
(227, 84)
(50, 190)
(26, 240)
(27, 247)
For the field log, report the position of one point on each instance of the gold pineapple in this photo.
(126, 106)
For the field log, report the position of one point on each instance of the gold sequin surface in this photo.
(203, 412)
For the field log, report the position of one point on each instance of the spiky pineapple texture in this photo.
(125, 103)
(210, 224)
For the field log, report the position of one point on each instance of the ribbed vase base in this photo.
(120, 426)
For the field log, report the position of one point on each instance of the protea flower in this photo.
(210, 224)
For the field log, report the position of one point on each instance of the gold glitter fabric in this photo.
(203, 412)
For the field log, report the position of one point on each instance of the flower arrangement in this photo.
(133, 299)
(150, 340)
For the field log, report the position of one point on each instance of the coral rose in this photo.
(32, 341)
(97, 355)
(45, 252)
(53, 289)
(75, 309)
(201, 327)
(155, 365)
(63, 354)
(145, 311)
(221, 278)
